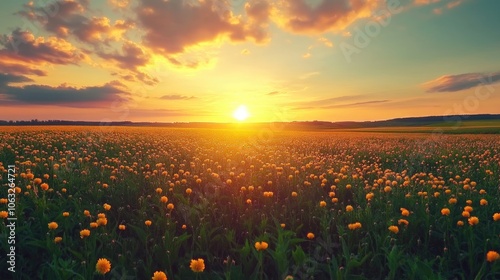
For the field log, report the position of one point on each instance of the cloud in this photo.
(131, 58)
(173, 26)
(356, 104)
(325, 102)
(176, 97)
(326, 42)
(439, 10)
(6, 79)
(65, 95)
(310, 74)
(298, 16)
(452, 83)
(23, 54)
(22, 46)
(120, 4)
(20, 69)
(425, 2)
(67, 18)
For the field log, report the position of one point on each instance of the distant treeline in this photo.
(411, 121)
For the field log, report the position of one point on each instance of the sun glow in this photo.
(241, 113)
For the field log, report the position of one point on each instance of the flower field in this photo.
(166, 203)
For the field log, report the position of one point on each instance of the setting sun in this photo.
(241, 113)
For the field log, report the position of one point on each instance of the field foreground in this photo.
(130, 203)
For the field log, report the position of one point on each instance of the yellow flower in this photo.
(294, 194)
(148, 223)
(282, 225)
(483, 202)
(394, 229)
(65, 214)
(159, 275)
(184, 227)
(159, 190)
(310, 235)
(405, 212)
(103, 266)
(492, 256)
(106, 206)
(84, 233)
(452, 201)
(164, 199)
(86, 213)
(5, 214)
(387, 189)
(94, 225)
(349, 208)
(460, 223)
(4, 200)
(101, 215)
(53, 225)
(322, 203)
(445, 211)
(197, 265)
(465, 214)
(57, 239)
(121, 227)
(170, 206)
(189, 191)
(496, 217)
(473, 220)
(249, 201)
(468, 209)
(260, 246)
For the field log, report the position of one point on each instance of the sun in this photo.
(241, 113)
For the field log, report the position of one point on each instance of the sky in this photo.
(293, 60)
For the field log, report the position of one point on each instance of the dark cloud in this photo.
(177, 97)
(6, 79)
(65, 95)
(452, 83)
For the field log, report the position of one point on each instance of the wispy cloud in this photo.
(308, 75)
(177, 97)
(452, 83)
(356, 104)
(273, 93)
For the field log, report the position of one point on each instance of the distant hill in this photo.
(450, 120)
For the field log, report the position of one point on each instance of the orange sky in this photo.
(189, 60)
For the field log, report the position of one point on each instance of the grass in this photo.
(228, 189)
